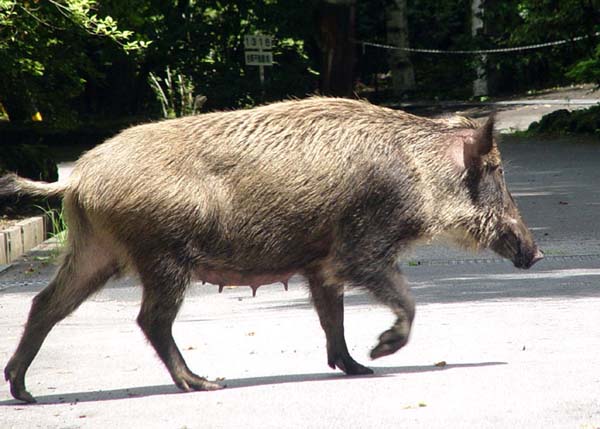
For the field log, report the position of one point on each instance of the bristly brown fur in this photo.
(329, 188)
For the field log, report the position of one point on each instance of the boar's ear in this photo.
(480, 143)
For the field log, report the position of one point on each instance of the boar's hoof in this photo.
(194, 382)
(341, 359)
(389, 342)
(17, 384)
(22, 395)
(351, 367)
(26, 396)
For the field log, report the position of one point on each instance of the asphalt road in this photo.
(514, 113)
(514, 348)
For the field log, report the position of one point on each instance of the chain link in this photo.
(478, 51)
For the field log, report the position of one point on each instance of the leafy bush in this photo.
(586, 121)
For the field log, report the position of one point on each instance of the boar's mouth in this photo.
(521, 254)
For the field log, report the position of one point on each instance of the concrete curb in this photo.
(20, 238)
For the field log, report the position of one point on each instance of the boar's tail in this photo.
(12, 185)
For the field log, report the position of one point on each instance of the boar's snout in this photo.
(538, 256)
(526, 260)
(517, 245)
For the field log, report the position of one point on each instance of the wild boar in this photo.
(331, 189)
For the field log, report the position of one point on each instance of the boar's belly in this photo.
(237, 278)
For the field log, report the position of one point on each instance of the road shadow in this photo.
(562, 277)
(239, 383)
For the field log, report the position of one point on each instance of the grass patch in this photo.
(58, 226)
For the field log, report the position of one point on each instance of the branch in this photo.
(44, 23)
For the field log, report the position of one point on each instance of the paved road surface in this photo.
(514, 113)
(521, 348)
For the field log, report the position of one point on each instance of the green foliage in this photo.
(58, 226)
(445, 26)
(175, 93)
(587, 70)
(526, 22)
(98, 60)
(204, 40)
(68, 58)
(43, 53)
(585, 121)
(81, 13)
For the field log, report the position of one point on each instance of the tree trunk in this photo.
(335, 20)
(403, 75)
(480, 85)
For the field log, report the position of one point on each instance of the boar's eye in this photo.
(491, 168)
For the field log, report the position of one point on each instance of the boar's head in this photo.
(494, 220)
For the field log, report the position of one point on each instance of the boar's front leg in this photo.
(391, 289)
(329, 303)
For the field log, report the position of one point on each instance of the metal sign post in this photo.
(258, 53)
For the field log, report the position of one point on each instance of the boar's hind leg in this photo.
(162, 297)
(329, 303)
(79, 276)
(391, 289)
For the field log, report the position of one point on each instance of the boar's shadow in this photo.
(237, 383)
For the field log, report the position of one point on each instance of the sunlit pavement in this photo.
(513, 348)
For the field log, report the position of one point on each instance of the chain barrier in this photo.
(478, 51)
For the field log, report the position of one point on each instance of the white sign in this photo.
(258, 50)
(258, 42)
(258, 53)
(257, 58)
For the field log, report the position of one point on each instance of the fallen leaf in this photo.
(413, 407)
